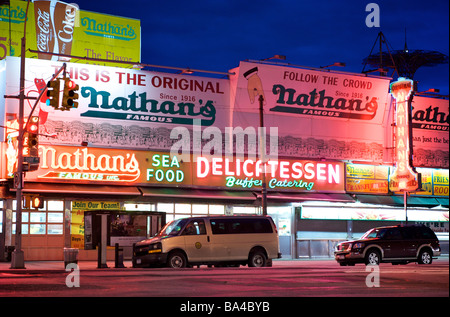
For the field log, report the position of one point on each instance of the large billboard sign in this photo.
(62, 28)
(430, 131)
(121, 108)
(335, 115)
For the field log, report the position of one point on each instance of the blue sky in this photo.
(216, 35)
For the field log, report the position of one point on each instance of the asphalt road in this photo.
(284, 279)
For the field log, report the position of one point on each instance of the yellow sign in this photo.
(62, 28)
(77, 229)
(362, 178)
(95, 205)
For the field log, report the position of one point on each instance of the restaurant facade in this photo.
(146, 147)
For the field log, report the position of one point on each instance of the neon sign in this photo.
(165, 169)
(403, 178)
(99, 165)
(85, 164)
(280, 174)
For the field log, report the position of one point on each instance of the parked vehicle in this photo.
(395, 244)
(220, 240)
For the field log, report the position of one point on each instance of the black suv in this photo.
(395, 244)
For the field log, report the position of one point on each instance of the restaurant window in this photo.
(183, 209)
(139, 207)
(46, 220)
(216, 209)
(245, 210)
(168, 209)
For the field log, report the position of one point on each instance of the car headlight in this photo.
(155, 248)
(358, 245)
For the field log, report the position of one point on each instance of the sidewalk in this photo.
(57, 266)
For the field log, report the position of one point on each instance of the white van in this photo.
(219, 240)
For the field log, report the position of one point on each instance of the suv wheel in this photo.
(373, 257)
(425, 257)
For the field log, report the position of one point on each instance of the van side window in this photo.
(240, 226)
(195, 227)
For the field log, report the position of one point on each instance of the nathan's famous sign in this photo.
(295, 91)
(122, 107)
(62, 28)
(70, 164)
(404, 177)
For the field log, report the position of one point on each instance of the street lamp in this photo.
(262, 147)
(276, 56)
(338, 64)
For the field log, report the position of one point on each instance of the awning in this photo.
(443, 201)
(297, 197)
(196, 193)
(43, 188)
(413, 201)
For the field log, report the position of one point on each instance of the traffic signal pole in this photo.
(17, 257)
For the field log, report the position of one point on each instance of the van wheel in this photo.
(257, 259)
(176, 260)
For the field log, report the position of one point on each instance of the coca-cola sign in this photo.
(55, 26)
(44, 32)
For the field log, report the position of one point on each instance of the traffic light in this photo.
(53, 93)
(37, 202)
(32, 136)
(70, 97)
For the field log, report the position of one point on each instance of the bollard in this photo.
(99, 256)
(100, 265)
(118, 258)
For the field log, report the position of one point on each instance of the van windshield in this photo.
(173, 228)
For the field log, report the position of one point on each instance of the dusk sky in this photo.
(217, 35)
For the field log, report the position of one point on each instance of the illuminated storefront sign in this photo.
(95, 205)
(361, 178)
(114, 166)
(404, 178)
(83, 164)
(165, 168)
(293, 175)
(434, 182)
(374, 214)
(97, 165)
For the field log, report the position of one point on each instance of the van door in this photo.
(196, 241)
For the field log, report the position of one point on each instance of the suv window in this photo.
(418, 233)
(392, 234)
